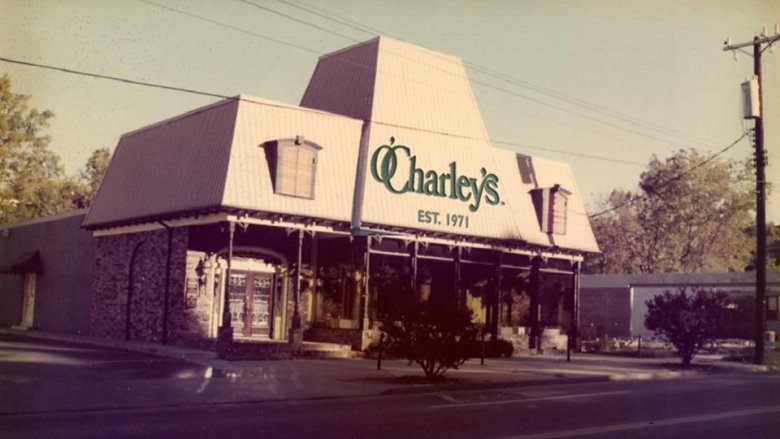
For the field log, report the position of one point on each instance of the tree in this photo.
(686, 321)
(93, 173)
(772, 248)
(437, 334)
(32, 182)
(686, 216)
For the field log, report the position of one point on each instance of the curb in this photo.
(114, 344)
(431, 388)
(207, 358)
(635, 376)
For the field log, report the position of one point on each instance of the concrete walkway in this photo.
(303, 378)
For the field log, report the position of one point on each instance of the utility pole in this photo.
(759, 43)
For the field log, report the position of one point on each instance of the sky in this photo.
(600, 84)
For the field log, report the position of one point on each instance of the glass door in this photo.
(237, 300)
(250, 302)
(260, 303)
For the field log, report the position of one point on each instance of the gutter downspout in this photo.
(360, 178)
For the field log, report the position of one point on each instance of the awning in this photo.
(27, 263)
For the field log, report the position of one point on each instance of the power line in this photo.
(581, 103)
(525, 84)
(358, 65)
(343, 21)
(671, 180)
(501, 89)
(115, 78)
(252, 101)
(230, 26)
(297, 20)
(577, 154)
(221, 96)
(572, 112)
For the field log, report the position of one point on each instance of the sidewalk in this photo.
(308, 378)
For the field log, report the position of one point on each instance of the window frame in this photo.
(544, 201)
(278, 150)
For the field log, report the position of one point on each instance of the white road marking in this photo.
(515, 401)
(206, 380)
(649, 424)
(15, 379)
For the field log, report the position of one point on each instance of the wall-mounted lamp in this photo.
(203, 267)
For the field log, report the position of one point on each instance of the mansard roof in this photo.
(362, 103)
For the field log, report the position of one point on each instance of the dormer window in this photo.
(551, 208)
(294, 166)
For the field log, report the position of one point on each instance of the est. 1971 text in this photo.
(449, 219)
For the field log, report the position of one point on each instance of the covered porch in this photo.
(346, 282)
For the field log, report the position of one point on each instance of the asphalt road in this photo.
(717, 406)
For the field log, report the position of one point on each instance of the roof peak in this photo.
(389, 81)
(384, 42)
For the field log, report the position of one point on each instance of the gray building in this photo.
(46, 274)
(615, 304)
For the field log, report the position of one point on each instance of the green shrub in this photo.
(687, 321)
(436, 334)
(493, 348)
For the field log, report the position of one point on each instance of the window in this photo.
(772, 307)
(294, 166)
(551, 208)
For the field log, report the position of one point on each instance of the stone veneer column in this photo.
(111, 283)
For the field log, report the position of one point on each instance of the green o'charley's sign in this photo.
(384, 166)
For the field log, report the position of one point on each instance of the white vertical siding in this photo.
(435, 152)
(419, 88)
(215, 156)
(249, 182)
(579, 234)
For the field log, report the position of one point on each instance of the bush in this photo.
(686, 321)
(436, 334)
(493, 348)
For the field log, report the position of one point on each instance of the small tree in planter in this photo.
(686, 321)
(437, 334)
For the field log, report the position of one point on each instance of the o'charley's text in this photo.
(384, 166)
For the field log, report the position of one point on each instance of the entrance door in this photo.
(250, 302)
(28, 301)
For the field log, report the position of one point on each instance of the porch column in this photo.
(225, 335)
(495, 302)
(295, 335)
(316, 306)
(365, 324)
(413, 262)
(535, 340)
(457, 276)
(575, 304)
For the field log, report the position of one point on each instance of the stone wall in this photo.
(113, 286)
(552, 340)
(191, 305)
(359, 340)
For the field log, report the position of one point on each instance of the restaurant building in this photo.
(253, 221)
